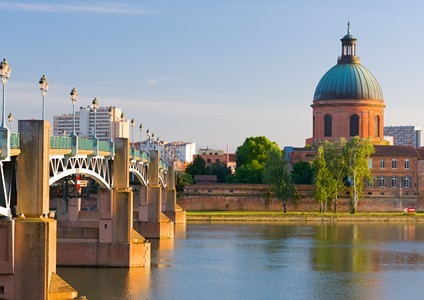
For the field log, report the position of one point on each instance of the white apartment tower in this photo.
(109, 121)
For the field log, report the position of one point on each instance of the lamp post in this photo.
(122, 125)
(11, 119)
(141, 130)
(74, 97)
(132, 132)
(95, 105)
(4, 75)
(110, 123)
(44, 87)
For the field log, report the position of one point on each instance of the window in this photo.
(377, 126)
(407, 164)
(369, 183)
(354, 125)
(370, 163)
(328, 126)
(394, 181)
(382, 163)
(381, 182)
(217, 160)
(208, 160)
(406, 182)
(394, 163)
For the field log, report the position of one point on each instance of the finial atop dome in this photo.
(348, 27)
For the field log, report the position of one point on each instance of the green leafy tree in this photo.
(323, 183)
(276, 174)
(302, 173)
(219, 169)
(251, 158)
(196, 167)
(336, 165)
(254, 148)
(182, 179)
(249, 173)
(357, 153)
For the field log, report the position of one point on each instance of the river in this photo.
(268, 261)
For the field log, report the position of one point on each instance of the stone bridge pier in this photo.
(28, 247)
(152, 222)
(105, 237)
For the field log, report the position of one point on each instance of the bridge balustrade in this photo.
(60, 142)
(14, 140)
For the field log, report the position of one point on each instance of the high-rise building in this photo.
(109, 121)
(404, 135)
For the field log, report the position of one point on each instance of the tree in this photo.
(276, 174)
(219, 169)
(249, 173)
(254, 148)
(251, 158)
(336, 164)
(357, 153)
(323, 181)
(183, 179)
(302, 173)
(196, 167)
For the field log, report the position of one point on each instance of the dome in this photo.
(348, 81)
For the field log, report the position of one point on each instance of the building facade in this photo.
(404, 135)
(348, 100)
(110, 123)
(213, 156)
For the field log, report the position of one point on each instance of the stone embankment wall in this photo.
(255, 197)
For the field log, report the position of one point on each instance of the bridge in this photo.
(113, 235)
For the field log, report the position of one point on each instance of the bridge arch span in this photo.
(103, 183)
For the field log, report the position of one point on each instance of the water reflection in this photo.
(109, 283)
(264, 261)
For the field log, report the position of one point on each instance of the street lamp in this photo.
(44, 87)
(11, 119)
(74, 97)
(132, 132)
(122, 125)
(110, 122)
(4, 75)
(95, 105)
(141, 130)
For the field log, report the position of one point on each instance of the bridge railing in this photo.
(65, 142)
(139, 154)
(60, 142)
(14, 140)
(163, 164)
(85, 144)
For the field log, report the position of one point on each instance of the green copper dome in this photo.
(348, 79)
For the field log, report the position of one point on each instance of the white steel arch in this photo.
(97, 167)
(140, 170)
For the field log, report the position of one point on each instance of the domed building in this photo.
(348, 100)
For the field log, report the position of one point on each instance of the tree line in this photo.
(337, 166)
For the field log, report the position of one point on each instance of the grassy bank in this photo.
(265, 216)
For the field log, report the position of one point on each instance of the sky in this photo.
(212, 72)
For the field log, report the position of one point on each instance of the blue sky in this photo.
(210, 72)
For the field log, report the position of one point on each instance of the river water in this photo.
(268, 261)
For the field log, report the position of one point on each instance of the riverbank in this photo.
(260, 216)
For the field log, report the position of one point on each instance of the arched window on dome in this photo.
(377, 126)
(328, 125)
(354, 125)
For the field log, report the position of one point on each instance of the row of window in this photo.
(353, 125)
(394, 182)
(394, 163)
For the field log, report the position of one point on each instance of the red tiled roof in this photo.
(381, 150)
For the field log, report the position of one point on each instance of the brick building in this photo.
(348, 101)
